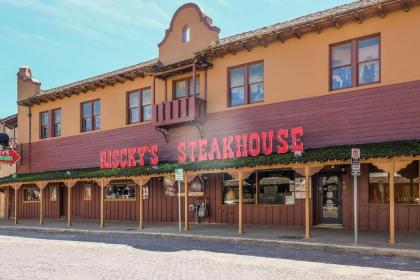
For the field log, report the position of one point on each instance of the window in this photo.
(56, 115)
(120, 191)
(91, 115)
(30, 194)
(355, 63)
(44, 125)
(139, 106)
(246, 84)
(263, 187)
(186, 34)
(184, 87)
(407, 189)
(87, 194)
(53, 193)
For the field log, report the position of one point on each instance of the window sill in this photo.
(139, 123)
(362, 86)
(245, 105)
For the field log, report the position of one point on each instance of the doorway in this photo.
(330, 204)
(2, 205)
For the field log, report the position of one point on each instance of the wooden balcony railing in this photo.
(179, 111)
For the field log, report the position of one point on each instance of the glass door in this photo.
(330, 199)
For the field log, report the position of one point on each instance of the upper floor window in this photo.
(44, 125)
(246, 84)
(139, 106)
(355, 63)
(56, 115)
(186, 34)
(91, 115)
(184, 87)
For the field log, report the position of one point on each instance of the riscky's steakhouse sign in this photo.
(266, 142)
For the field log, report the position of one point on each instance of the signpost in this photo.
(355, 172)
(9, 157)
(179, 176)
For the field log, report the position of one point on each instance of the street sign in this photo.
(355, 162)
(179, 174)
(9, 156)
(355, 171)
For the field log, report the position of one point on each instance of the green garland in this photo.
(372, 150)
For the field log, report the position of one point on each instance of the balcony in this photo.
(180, 111)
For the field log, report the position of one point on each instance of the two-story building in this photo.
(262, 123)
(8, 126)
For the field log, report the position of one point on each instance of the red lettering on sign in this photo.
(192, 145)
(282, 145)
(202, 154)
(267, 144)
(254, 144)
(154, 158)
(241, 148)
(297, 142)
(227, 147)
(214, 148)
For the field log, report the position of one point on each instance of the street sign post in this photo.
(355, 172)
(179, 176)
(9, 157)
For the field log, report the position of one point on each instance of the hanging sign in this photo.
(9, 157)
(179, 174)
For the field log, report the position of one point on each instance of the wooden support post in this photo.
(418, 177)
(205, 84)
(307, 204)
(140, 182)
(41, 204)
(6, 210)
(392, 203)
(194, 80)
(186, 225)
(69, 190)
(102, 185)
(16, 187)
(241, 190)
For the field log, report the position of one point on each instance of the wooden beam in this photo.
(244, 45)
(335, 22)
(127, 76)
(262, 42)
(307, 204)
(16, 187)
(357, 16)
(6, 212)
(316, 28)
(241, 198)
(69, 191)
(405, 5)
(392, 203)
(141, 207)
(296, 33)
(381, 11)
(102, 219)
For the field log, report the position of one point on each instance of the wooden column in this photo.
(307, 204)
(392, 203)
(205, 84)
(102, 186)
(6, 210)
(16, 187)
(69, 185)
(241, 198)
(194, 80)
(41, 203)
(166, 90)
(186, 225)
(153, 90)
(141, 182)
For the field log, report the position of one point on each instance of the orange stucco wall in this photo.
(294, 70)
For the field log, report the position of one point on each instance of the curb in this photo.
(413, 254)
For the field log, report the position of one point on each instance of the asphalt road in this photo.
(30, 255)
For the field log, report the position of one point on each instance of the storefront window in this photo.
(263, 187)
(120, 191)
(406, 185)
(53, 194)
(276, 187)
(31, 194)
(231, 190)
(88, 192)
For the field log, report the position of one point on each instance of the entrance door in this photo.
(330, 198)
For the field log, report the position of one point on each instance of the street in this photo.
(30, 255)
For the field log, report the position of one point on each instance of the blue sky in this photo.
(69, 40)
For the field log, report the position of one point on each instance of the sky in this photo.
(63, 41)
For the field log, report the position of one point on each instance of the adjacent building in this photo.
(262, 123)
